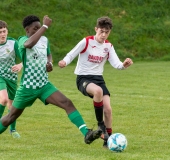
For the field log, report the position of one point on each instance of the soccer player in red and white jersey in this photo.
(93, 53)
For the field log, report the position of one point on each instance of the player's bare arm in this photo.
(49, 65)
(34, 37)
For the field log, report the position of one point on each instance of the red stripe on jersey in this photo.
(87, 43)
(106, 41)
(108, 55)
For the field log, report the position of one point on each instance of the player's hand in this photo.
(47, 21)
(62, 64)
(49, 66)
(16, 68)
(127, 62)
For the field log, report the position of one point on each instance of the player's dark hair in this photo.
(3, 24)
(104, 22)
(29, 20)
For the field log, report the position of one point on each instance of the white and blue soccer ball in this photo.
(117, 142)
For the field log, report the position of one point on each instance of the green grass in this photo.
(141, 107)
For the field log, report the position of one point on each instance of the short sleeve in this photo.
(48, 48)
(16, 49)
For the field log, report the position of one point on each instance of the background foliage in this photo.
(141, 27)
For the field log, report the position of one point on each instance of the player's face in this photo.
(102, 34)
(3, 35)
(33, 28)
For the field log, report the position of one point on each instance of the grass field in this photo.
(141, 111)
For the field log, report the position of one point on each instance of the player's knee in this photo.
(66, 103)
(3, 101)
(69, 103)
(98, 92)
(68, 106)
(108, 110)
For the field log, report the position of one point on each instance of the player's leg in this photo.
(3, 100)
(9, 118)
(88, 87)
(58, 99)
(12, 87)
(51, 95)
(107, 116)
(13, 131)
(107, 111)
(97, 93)
(3, 96)
(23, 98)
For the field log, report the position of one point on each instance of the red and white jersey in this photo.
(93, 56)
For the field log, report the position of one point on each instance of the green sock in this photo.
(13, 125)
(77, 119)
(2, 128)
(2, 108)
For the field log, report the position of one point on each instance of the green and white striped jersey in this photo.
(34, 63)
(8, 53)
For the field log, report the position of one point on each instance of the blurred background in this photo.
(141, 27)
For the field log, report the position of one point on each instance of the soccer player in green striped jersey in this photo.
(37, 61)
(8, 72)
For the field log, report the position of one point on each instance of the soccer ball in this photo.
(117, 142)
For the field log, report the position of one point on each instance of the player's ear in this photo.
(95, 28)
(27, 29)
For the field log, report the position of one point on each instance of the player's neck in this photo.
(2, 42)
(98, 41)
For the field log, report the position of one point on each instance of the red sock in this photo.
(109, 131)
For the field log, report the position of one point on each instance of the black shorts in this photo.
(83, 80)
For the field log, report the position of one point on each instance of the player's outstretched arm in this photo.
(35, 37)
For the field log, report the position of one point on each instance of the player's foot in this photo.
(15, 134)
(92, 135)
(104, 134)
